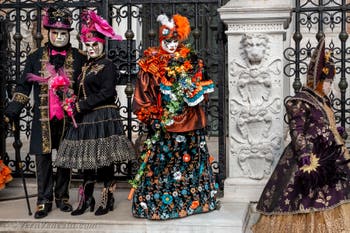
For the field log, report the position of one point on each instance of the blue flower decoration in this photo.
(167, 199)
(165, 148)
(184, 192)
(180, 138)
(156, 196)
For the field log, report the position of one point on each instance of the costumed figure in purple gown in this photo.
(309, 190)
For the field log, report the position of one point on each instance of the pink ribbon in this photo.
(54, 53)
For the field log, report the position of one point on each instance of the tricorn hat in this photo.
(321, 66)
(58, 18)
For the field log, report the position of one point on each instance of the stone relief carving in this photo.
(253, 109)
(256, 27)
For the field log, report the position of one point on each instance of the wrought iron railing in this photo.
(136, 20)
(312, 21)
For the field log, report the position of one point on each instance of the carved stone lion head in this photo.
(254, 47)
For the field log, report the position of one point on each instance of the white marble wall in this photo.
(256, 34)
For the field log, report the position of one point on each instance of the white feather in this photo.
(164, 20)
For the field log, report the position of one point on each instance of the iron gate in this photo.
(313, 20)
(138, 18)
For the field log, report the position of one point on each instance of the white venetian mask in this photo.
(59, 37)
(94, 49)
(170, 46)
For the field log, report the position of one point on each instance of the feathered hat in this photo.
(95, 28)
(177, 27)
(321, 66)
(58, 18)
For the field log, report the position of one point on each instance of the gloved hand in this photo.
(341, 130)
(6, 119)
(305, 160)
(155, 125)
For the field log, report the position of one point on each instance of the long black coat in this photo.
(40, 142)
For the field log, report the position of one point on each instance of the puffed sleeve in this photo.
(297, 113)
(22, 91)
(108, 76)
(145, 102)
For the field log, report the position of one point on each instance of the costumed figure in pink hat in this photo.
(51, 72)
(98, 141)
(175, 178)
(309, 190)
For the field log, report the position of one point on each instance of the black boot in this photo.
(64, 205)
(86, 199)
(42, 210)
(107, 200)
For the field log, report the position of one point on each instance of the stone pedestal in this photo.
(256, 34)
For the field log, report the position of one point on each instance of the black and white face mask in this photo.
(59, 37)
(94, 49)
(170, 45)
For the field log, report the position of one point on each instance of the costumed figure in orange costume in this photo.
(175, 178)
(309, 190)
(5, 175)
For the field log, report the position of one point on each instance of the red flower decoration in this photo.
(186, 158)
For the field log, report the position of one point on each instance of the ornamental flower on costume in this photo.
(5, 175)
(59, 92)
(182, 84)
(167, 199)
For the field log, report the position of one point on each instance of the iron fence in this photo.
(136, 20)
(312, 21)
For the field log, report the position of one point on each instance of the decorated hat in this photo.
(321, 66)
(95, 28)
(177, 27)
(58, 18)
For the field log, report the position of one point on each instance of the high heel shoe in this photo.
(86, 201)
(107, 201)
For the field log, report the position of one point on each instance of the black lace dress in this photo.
(99, 139)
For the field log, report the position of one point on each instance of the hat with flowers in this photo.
(95, 28)
(178, 27)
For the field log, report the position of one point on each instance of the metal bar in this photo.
(320, 33)
(345, 7)
(343, 84)
(18, 37)
(38, 36)
(297, 38)
(129, 89)
(3, 59)
(222, 106)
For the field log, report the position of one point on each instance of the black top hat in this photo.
(58, 18)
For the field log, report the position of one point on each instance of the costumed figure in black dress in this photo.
(309, 190)
(98, 141)
(46, 66)
(175, 178)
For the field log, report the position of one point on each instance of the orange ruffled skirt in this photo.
(5, 175)
(335, 220)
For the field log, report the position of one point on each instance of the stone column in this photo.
(256, 37)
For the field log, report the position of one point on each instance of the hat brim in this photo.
(54, 27)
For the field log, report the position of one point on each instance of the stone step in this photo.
(231, 218)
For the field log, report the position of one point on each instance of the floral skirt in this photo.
(98, 141)
(5, 175)
(179, 180)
